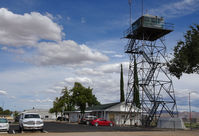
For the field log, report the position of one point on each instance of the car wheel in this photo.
(96, 124)
(87, 122)
(111, 124)
(20, 129)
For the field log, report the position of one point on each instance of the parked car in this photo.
(4, 125)
(88, 119)
(102, 122)
(30, 121)
(62, 119)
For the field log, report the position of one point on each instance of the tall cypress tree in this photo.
(121, 86)
(136, 95)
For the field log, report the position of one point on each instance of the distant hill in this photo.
(183, 114)
(186, 114)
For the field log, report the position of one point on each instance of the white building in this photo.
(44, 113)
(115, 112)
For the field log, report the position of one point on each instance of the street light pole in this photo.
(190, 110)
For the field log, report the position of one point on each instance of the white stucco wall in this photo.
(43, 113)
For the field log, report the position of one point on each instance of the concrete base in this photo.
(175, 123)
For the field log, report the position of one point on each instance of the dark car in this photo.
(62, 119)
(102, 122)
(88, 119)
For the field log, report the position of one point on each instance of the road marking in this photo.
(3, 132)
(44, 131)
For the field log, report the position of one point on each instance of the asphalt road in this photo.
(60, 127)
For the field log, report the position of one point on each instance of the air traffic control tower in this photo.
(147, 47)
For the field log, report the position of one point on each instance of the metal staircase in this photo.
(129, 46)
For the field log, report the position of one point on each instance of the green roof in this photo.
(102, 106)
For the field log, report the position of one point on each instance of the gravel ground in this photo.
(140, 133)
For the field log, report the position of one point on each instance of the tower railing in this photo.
(164, 26)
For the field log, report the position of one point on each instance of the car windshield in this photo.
(32, 116)
(3, 121)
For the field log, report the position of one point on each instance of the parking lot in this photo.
(66, 127)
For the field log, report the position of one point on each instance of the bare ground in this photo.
(138, 133)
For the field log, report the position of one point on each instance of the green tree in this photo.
(77, 96)
(186, 54)
(67, 101)
(63, 103)
(7, 112)
(121, 85)
(15, 114)
(1, 110)
(57, 106)
(136, 95)
(83, 96)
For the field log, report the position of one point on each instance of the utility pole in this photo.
(190, 110)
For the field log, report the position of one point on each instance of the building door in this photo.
(112, 117)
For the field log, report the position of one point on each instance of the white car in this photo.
(4, 125)
(30, 121)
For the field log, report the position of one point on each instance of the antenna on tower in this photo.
(142, 7)
(130, 6)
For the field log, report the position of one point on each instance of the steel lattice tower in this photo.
(147, 46)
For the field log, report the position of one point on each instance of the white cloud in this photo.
(102, 69)
(182, 108)
(105, 81)
(104, 86)
(12, 50)
(12, 97)
(33, 75)
(59, 17)
(83, 80)
(184, 94)
(179, 8)
(115, 67)
(58, 87)
(187, 81)
(88, 71)
(27, 29)
(31, 29)
(109, 52)
(2, 92)
(51, 91)
(65, 52)
(68, 18)
(118, 55)
(49, 15)
(41, 101)
(83, 20)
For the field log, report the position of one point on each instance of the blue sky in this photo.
(47, 44)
